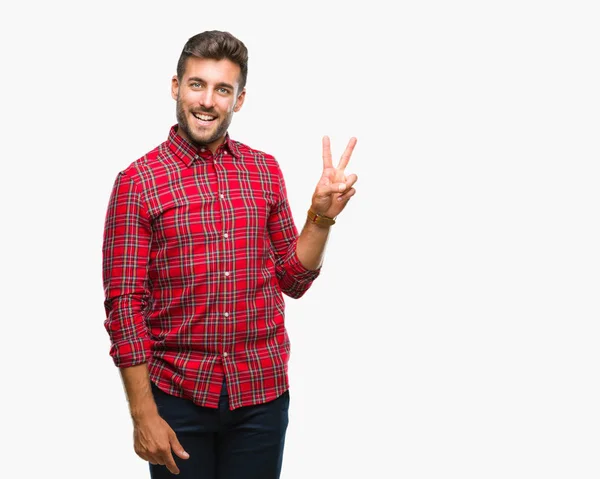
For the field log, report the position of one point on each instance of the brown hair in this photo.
(216, 45)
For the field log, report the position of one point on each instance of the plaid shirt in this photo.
(198, 249)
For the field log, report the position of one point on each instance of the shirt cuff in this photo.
(130, 353)
(298, 272)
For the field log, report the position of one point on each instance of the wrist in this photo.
(319, 220)
(143, 411)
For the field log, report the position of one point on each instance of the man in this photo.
(199, 245)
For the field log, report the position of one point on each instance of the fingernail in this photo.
(342, 186)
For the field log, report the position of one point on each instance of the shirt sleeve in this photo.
(294, 279)
(125, 253)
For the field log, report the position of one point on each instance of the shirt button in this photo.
(226, 273)
(226, 315)
(202, 149)
(225, 355)
(222, 195)
(225, 235)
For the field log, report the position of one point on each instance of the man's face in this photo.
(207, 97)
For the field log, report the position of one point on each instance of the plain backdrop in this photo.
(453, 332)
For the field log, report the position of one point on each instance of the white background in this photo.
(453, 332)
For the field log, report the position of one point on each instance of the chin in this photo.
(202, 135)
(203, 139)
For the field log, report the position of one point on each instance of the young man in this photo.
(199, 245)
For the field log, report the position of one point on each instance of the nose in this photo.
(207, 99)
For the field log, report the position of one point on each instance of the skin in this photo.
(211, 87)
(330, 197)
(208, 87)
(153, 439)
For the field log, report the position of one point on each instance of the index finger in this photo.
(327, 163)
(347, 154)
(170, 463)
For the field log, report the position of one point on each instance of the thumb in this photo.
(178, 448)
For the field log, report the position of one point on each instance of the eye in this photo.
(195, 84)
(223, 90)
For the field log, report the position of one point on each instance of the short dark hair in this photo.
(216, 45)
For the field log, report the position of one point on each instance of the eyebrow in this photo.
(221, 84)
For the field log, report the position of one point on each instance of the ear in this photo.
(240, 101)
(174, 87)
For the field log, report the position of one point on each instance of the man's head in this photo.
(209, 86)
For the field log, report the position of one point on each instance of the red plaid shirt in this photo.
(198, 249)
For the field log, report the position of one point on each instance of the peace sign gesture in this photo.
(334, 188)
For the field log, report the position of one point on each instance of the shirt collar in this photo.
(188, 153)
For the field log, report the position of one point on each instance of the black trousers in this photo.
(246, 443)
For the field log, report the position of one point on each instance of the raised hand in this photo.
(334, 188)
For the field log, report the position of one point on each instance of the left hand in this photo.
(334, 188)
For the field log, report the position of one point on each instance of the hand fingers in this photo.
(155, 457)
(145, 457)
(143, 453)
(347, 195)
(166, 458)
(327, 163)
(347, 154)
(170, 462)
(349, 191)
(327, 190)
(350, 180)
(177, 447)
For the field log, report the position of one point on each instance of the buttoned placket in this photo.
(225, 255)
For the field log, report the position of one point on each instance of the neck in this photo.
(209, 146)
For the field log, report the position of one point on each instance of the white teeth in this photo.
(204, 117)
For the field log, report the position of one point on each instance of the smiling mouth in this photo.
(203, 117)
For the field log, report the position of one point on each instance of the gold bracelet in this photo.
(320, 220)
